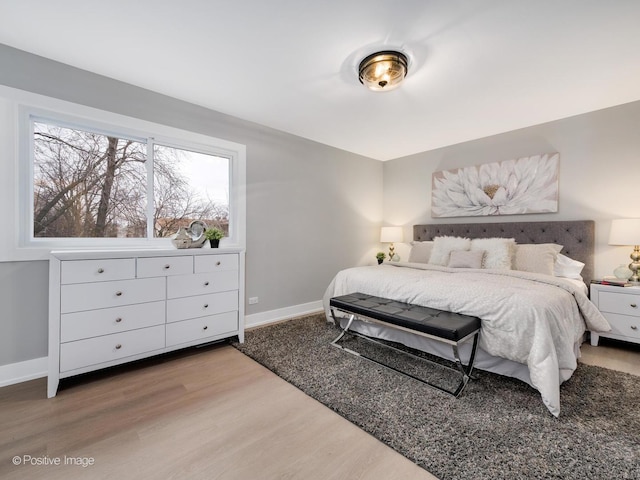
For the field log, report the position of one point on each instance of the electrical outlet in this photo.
(253, 300)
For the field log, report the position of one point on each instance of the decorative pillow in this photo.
(443, 246)
(536, 258)
(497, 251)
(420, 252)
(466, 259)
(567, 267)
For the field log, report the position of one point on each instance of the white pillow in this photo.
(567, 267)
(443, 246)
(420, 252)
(466, 259)
(536, 258)
(498, 251)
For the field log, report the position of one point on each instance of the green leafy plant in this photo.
(381, 255)
(213, 234)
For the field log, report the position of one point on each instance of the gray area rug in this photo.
(497, 429)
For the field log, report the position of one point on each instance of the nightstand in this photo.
(621, 307)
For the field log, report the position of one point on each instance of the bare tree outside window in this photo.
(94, 186)
(87, 184)
(189, 186)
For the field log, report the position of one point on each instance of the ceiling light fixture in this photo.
(383, 71)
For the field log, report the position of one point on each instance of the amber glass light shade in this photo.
(383, 71)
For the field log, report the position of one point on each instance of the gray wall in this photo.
(311, 209)
(23, 310)
(598, 179)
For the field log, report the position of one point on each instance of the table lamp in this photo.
(626, 231)
(390, 235)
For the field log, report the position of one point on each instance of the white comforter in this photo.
(528, 318)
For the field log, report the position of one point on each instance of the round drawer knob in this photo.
(118, 294)
(167, 267)
(633, 305)
(218, 264)
(633, 327)
(101, 270)
(205, 327)
(206, 305)
(206, 284)
(118, 320)
(118, 347)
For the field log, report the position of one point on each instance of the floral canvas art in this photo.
(523, 185)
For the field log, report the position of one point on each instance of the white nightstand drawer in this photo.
(82, 353)
(201, 328)
(164, 266)
(624, 325)
(92, 323)
(202, 283)
(215, 263)
(103, 270)
(90, 296)
(623, 303)
(201, 305)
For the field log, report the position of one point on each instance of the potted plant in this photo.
(380, 256)
(213, 235)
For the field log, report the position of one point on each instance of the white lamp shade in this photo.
(625, 231)
(391, 234)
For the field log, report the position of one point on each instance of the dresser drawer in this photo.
(201, 305)
(202, 283)
(80, 271)
(623, 303)
(93, 323)
(90, 296)
(215, 263)
(624, 325)
(201, 328)
(164, 266)
(83, 353)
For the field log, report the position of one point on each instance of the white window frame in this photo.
(18, 109)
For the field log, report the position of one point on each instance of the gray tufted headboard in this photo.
(577, 236)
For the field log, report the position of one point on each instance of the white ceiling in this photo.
(477, 67)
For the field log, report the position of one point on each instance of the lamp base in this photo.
(393, 256)
(634, 266)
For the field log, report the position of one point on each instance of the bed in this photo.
(533, 306)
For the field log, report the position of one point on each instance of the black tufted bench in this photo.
(447, 327)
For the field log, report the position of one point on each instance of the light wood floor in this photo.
(612, 354)
(214, 414)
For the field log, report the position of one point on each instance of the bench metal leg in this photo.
(464, 370)
(344, 330)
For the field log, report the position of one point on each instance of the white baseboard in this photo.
(23, 371)
(38, 367)
(271, 316)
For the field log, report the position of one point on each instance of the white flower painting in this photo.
(525, 185)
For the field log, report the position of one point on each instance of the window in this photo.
(85, 183)
(189, 186)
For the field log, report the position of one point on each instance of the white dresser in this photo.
(621, 307)
(114, 306)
